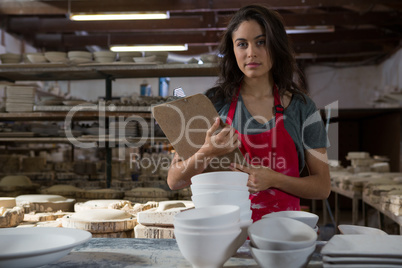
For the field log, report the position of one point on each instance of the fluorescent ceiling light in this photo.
(150, 48)
(120, 16)
(310, 29)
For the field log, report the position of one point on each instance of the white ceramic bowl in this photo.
(246, 215)
(281, 234)
(207, 188)
(207, 250)
(126, 59)
(221, 177)
(56, 56)
(105, 59)
(228, 197)
(79, 54)
(363, 230)
(308, 218)
(144, 59)
(244, 204)
(110, 54)
(209, 216)
(282, 258)
(10, 58)
(207, 230)
(80, 60)
(242, 237)
(209, 58)
(36, 58)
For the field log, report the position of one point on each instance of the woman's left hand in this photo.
(259, 176)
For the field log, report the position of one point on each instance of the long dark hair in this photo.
(282, 55)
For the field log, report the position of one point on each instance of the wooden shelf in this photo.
(54, 116)
(51, 71)
(79, 139)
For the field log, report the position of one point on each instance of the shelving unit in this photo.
(109, 72)
(52, 71)
(376, 131)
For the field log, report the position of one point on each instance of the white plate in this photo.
(361, 260)
(31, 247)
(329, 265)
(364, 245)
(355, 229)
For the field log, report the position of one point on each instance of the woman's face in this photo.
(251, 50)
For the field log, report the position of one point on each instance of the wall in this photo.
(12, 44)
(354, 86)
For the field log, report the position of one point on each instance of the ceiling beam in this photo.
(362, 35)
(339, 48)
(192, 23)
(32, 7)
(34, 24)
(104, 40)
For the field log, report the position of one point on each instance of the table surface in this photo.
(136, 252)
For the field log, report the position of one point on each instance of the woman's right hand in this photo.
(219, 143)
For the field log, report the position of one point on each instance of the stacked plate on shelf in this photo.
(363, 251)
(20, 98)
(123, 129)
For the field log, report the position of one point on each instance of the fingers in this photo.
(214, 127)
(239, 167)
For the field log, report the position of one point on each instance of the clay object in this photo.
(153, 232)
(17, 185)
(44, 216)
(62, 189)
(103, 204)
(100, 221)
(45, 203)
(11, 217)
(7, 202)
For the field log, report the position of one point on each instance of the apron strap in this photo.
(279, 109)
(232, 108)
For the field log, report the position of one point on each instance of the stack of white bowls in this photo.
(224, 188)
(128, 56)
(36, 57)
(56, 56)
(105, 56)
(79, 56)
(10, 58)
(207, 236)
(281, 242)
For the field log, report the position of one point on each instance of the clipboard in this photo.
(185, 123)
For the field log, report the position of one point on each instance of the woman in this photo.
(269, 118)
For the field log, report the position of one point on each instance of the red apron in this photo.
(275, 149)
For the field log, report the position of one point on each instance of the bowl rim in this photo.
(227, 210)
(286, 251)
(308, 230)
(237, 231)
